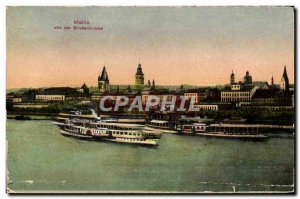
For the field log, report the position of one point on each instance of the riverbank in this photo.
(31, 116)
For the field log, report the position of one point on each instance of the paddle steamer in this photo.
(107, 131)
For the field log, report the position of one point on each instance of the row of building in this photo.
(41, 98)
(246, 94)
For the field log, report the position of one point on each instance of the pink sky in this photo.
(197, 46)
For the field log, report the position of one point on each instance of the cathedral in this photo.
(103, 82)
(104, 85)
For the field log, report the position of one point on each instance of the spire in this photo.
(272, 80)
(284, 80)
(285, 76)
(285, 73)
(104, 75)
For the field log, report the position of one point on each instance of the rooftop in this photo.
(264, 93)
(59, 91)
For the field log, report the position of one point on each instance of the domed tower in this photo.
(139, 76)
(103, 82)
(248, 78)
(232, 78)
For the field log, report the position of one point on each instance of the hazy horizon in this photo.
(176, 45)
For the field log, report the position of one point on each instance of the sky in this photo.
(175, 45)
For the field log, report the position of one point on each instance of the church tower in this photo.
(248, 78)
(284, 84)
(139, 76)
(103, 82)
(232, 78)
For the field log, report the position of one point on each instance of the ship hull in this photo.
(258, 137)
(79, 136)
(127, 141)
(160, 130)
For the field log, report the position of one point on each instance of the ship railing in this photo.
(128, 134)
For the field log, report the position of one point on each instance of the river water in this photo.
(39, 159)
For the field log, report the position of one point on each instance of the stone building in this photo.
(238, 93)
(196, 94)
(59, 94)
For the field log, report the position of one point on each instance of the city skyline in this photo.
(176, 45)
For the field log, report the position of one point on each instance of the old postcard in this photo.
(150, 99)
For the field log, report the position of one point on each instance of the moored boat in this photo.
(66, 133)
(61, 121)
(76, 131)
(114, 132)
(152, 134)
(211, 131)
(161, 126)
(192, 128)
